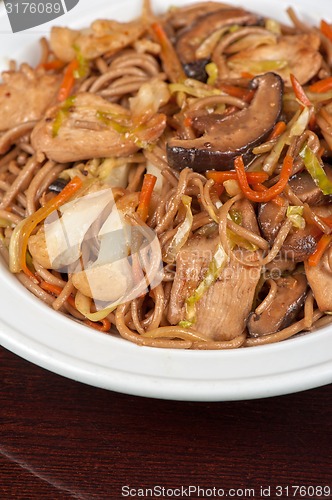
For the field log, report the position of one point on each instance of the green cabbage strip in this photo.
(182, 234)
(316, 170)
(217, 264)
(294, 214)
(61, 114)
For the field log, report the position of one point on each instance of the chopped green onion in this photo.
(316, 170)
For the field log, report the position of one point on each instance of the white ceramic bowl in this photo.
(34, 331)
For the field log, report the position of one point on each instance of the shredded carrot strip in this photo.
(322, 245)
(277, 200)
(326, 29)
(269, 193)
(322, 85)
(52, 65)
(220, 177)
(102, 325)
(244, 94)
(246, 74)
(56, 290)
(278, 129)
(327, 220)
(68, 80)
(168, 54)
(187, 122)
(145, 196)
(299, 92)
(41, 214)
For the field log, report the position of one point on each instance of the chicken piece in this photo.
(103, 36)
(24, 96)
(223, 310)
(91, 127)
(300, 53)
(320, 281)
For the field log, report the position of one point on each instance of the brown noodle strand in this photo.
(117, 76)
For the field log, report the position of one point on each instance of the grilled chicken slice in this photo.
(25, 95)
(103, 36)
(300, 54)
(91, 127)
(223, 310)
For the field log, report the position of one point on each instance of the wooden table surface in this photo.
(62, 439)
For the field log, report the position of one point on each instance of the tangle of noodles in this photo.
(138, 91)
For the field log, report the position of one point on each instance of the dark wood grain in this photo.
(61, 439)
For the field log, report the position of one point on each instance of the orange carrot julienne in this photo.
(103, 325)
(322, 245)
(322, 85)
(326, 29)
(234, 91)
(33, 220)
(278, 129)
(187, 122)
(56, 290)
(220, 177)
(68, 80)
(269, 193)
(145, 196)
(246, 74)
(299, 91)
(168, 54)
(52, 65)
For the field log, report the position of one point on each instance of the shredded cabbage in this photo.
(316, 170)
(182, 234)
(217, 264)
(294, 214)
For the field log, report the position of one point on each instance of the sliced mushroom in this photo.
(289, 299)
(233, 135)
(270, 219)
(191, 38)
(299, 244)
(306, 189)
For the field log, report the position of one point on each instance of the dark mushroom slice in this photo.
(190, 38)
(224, 138)
(58, 185)
(299, 244)
(270, 218)
(306, 189)
(283, 310)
